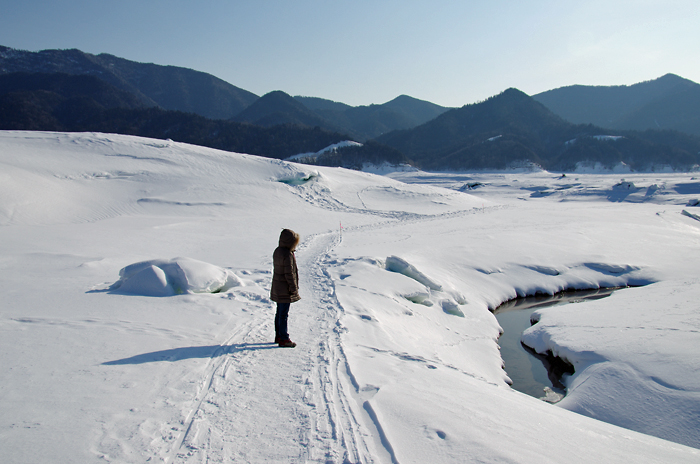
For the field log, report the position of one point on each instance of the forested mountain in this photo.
(169, 87)
(84, 103)
(80, 103)
(678, 111)
(277, 108)
(512, 127)
(182, 89)
(669, 102)
(321, 104)
(68, 90)
(57, 101)
(417, 111)
(359, 122)
(366, 122)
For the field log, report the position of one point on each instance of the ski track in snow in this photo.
(322, 415)
(305, 388)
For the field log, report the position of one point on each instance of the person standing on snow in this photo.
(285, 284)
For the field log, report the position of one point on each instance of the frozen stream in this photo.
(530, 372)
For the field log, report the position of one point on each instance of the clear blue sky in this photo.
(361, 52)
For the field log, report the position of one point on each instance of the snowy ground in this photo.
(397, 358)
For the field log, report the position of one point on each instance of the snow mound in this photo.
(149, 281)
(163, 277)
(401, 266)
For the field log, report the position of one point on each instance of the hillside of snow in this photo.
(136, 324)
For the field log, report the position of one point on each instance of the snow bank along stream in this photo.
(538, 375)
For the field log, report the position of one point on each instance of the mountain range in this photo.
(168, 87)
(512, 127)
(669, 102)
(359, 122)
(69, 90)
(84, 103)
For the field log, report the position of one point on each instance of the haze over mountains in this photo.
(563, 129)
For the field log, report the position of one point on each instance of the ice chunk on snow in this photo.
(396, 264)
(550, 396)
(160, 277)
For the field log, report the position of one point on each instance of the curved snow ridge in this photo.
(168, 277)
(525, 280)
(449, 301)
(396, 264)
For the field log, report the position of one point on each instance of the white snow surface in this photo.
(171, 359)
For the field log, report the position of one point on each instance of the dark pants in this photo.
(281, 321)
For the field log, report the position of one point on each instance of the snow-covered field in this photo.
(397, 358)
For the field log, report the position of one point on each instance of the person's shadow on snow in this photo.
(190, 352)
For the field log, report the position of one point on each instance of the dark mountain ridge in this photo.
(366, 122)
(182, 89)
(109, 94)
(510, 113)
(420, 111)
(277, 108)
(57, 101)
(669, 102)
(322, 104)
(169, 87)
(84, 103)
(512, 128)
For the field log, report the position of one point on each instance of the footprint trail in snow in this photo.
(261, 403)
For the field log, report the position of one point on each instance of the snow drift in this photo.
(159, 277)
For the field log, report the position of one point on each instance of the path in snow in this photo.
(321, 417)
(306, 389)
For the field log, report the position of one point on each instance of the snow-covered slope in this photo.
(397, 358)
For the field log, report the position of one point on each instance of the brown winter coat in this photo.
(285, 276)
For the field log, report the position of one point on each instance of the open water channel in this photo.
(530, 372)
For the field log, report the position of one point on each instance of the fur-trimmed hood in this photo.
(289, 239)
